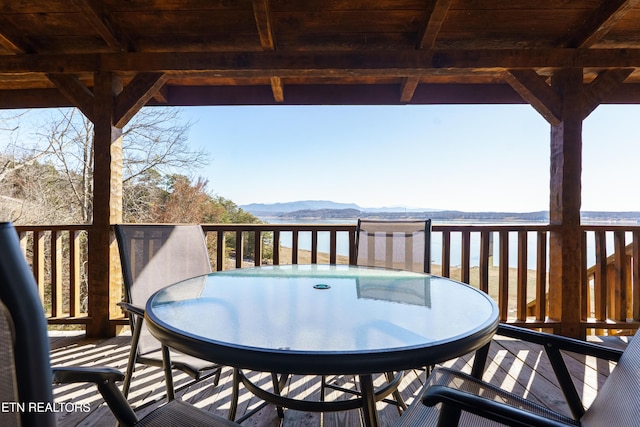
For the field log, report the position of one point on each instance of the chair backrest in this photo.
(618, 401)
(155, 256)
(25, 369)
(401, 245)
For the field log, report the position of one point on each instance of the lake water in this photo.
(304, 242)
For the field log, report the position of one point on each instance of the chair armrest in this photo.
(496, 411)
(130, 308)
(458, 391)
(105, 379)
(562, 343)
(68, 375)
(553, 345)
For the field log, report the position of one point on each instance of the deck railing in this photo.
(509, 262)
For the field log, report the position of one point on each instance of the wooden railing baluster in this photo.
(57, 254)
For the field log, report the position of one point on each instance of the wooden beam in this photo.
(135, 95)
(603, 85)
(404, 63)
(409, 86)
(435, 15)
(277, 88)
(435, 18)
(99, 19)
(600, 23)
(74, 90)
(103, 262)
(565, 243)
(262, 15)
(534, 89)
(161, 96)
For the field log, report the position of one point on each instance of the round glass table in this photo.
(321, 320)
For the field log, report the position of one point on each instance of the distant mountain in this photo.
(278, 208)
(310, 205)
(322, 209)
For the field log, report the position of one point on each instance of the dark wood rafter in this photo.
(12, 40)
(135, 95)
(408, 88)
(277, 88)
(599, 89)
(427, 38)
(536, 91)
(435, 18)
(94, 12)
(79, 95)
(262, 16)
(600, 23)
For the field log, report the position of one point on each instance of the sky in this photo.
(461, 157)
(450, 157)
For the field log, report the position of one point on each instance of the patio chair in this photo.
(400, 245)
(152, 257)
(25, 366)
(453, 398)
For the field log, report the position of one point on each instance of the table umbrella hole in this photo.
(321, 286)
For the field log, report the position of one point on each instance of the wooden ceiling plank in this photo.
(435, 18)
(75, 91)
(409, 86)
(600, 23)
(99, 19)
(534, 89)
(135, 95)
(606, 83)
(12, 40)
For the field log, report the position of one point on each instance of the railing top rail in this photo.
(25, 228)
(278, 227)
(491, 227)
(612, 227)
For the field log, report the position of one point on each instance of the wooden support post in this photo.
(565, 104)
(104, 273)
(564, 211)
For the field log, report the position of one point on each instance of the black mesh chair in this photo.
(400, 245)
(25, 370)
(453, 398)
(152, 257)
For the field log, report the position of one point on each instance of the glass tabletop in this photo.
(322, 309)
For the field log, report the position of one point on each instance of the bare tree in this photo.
(155, 141)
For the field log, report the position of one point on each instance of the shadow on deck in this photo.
(515, 366)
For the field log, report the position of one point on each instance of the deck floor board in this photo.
(515, 365)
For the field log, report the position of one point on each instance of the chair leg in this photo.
(133, 351)
(400, 403)
(235, 394)
(276, 389)
(168, 377)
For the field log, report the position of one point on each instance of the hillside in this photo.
(319, 210)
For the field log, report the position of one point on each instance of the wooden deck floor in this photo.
(516, 366)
